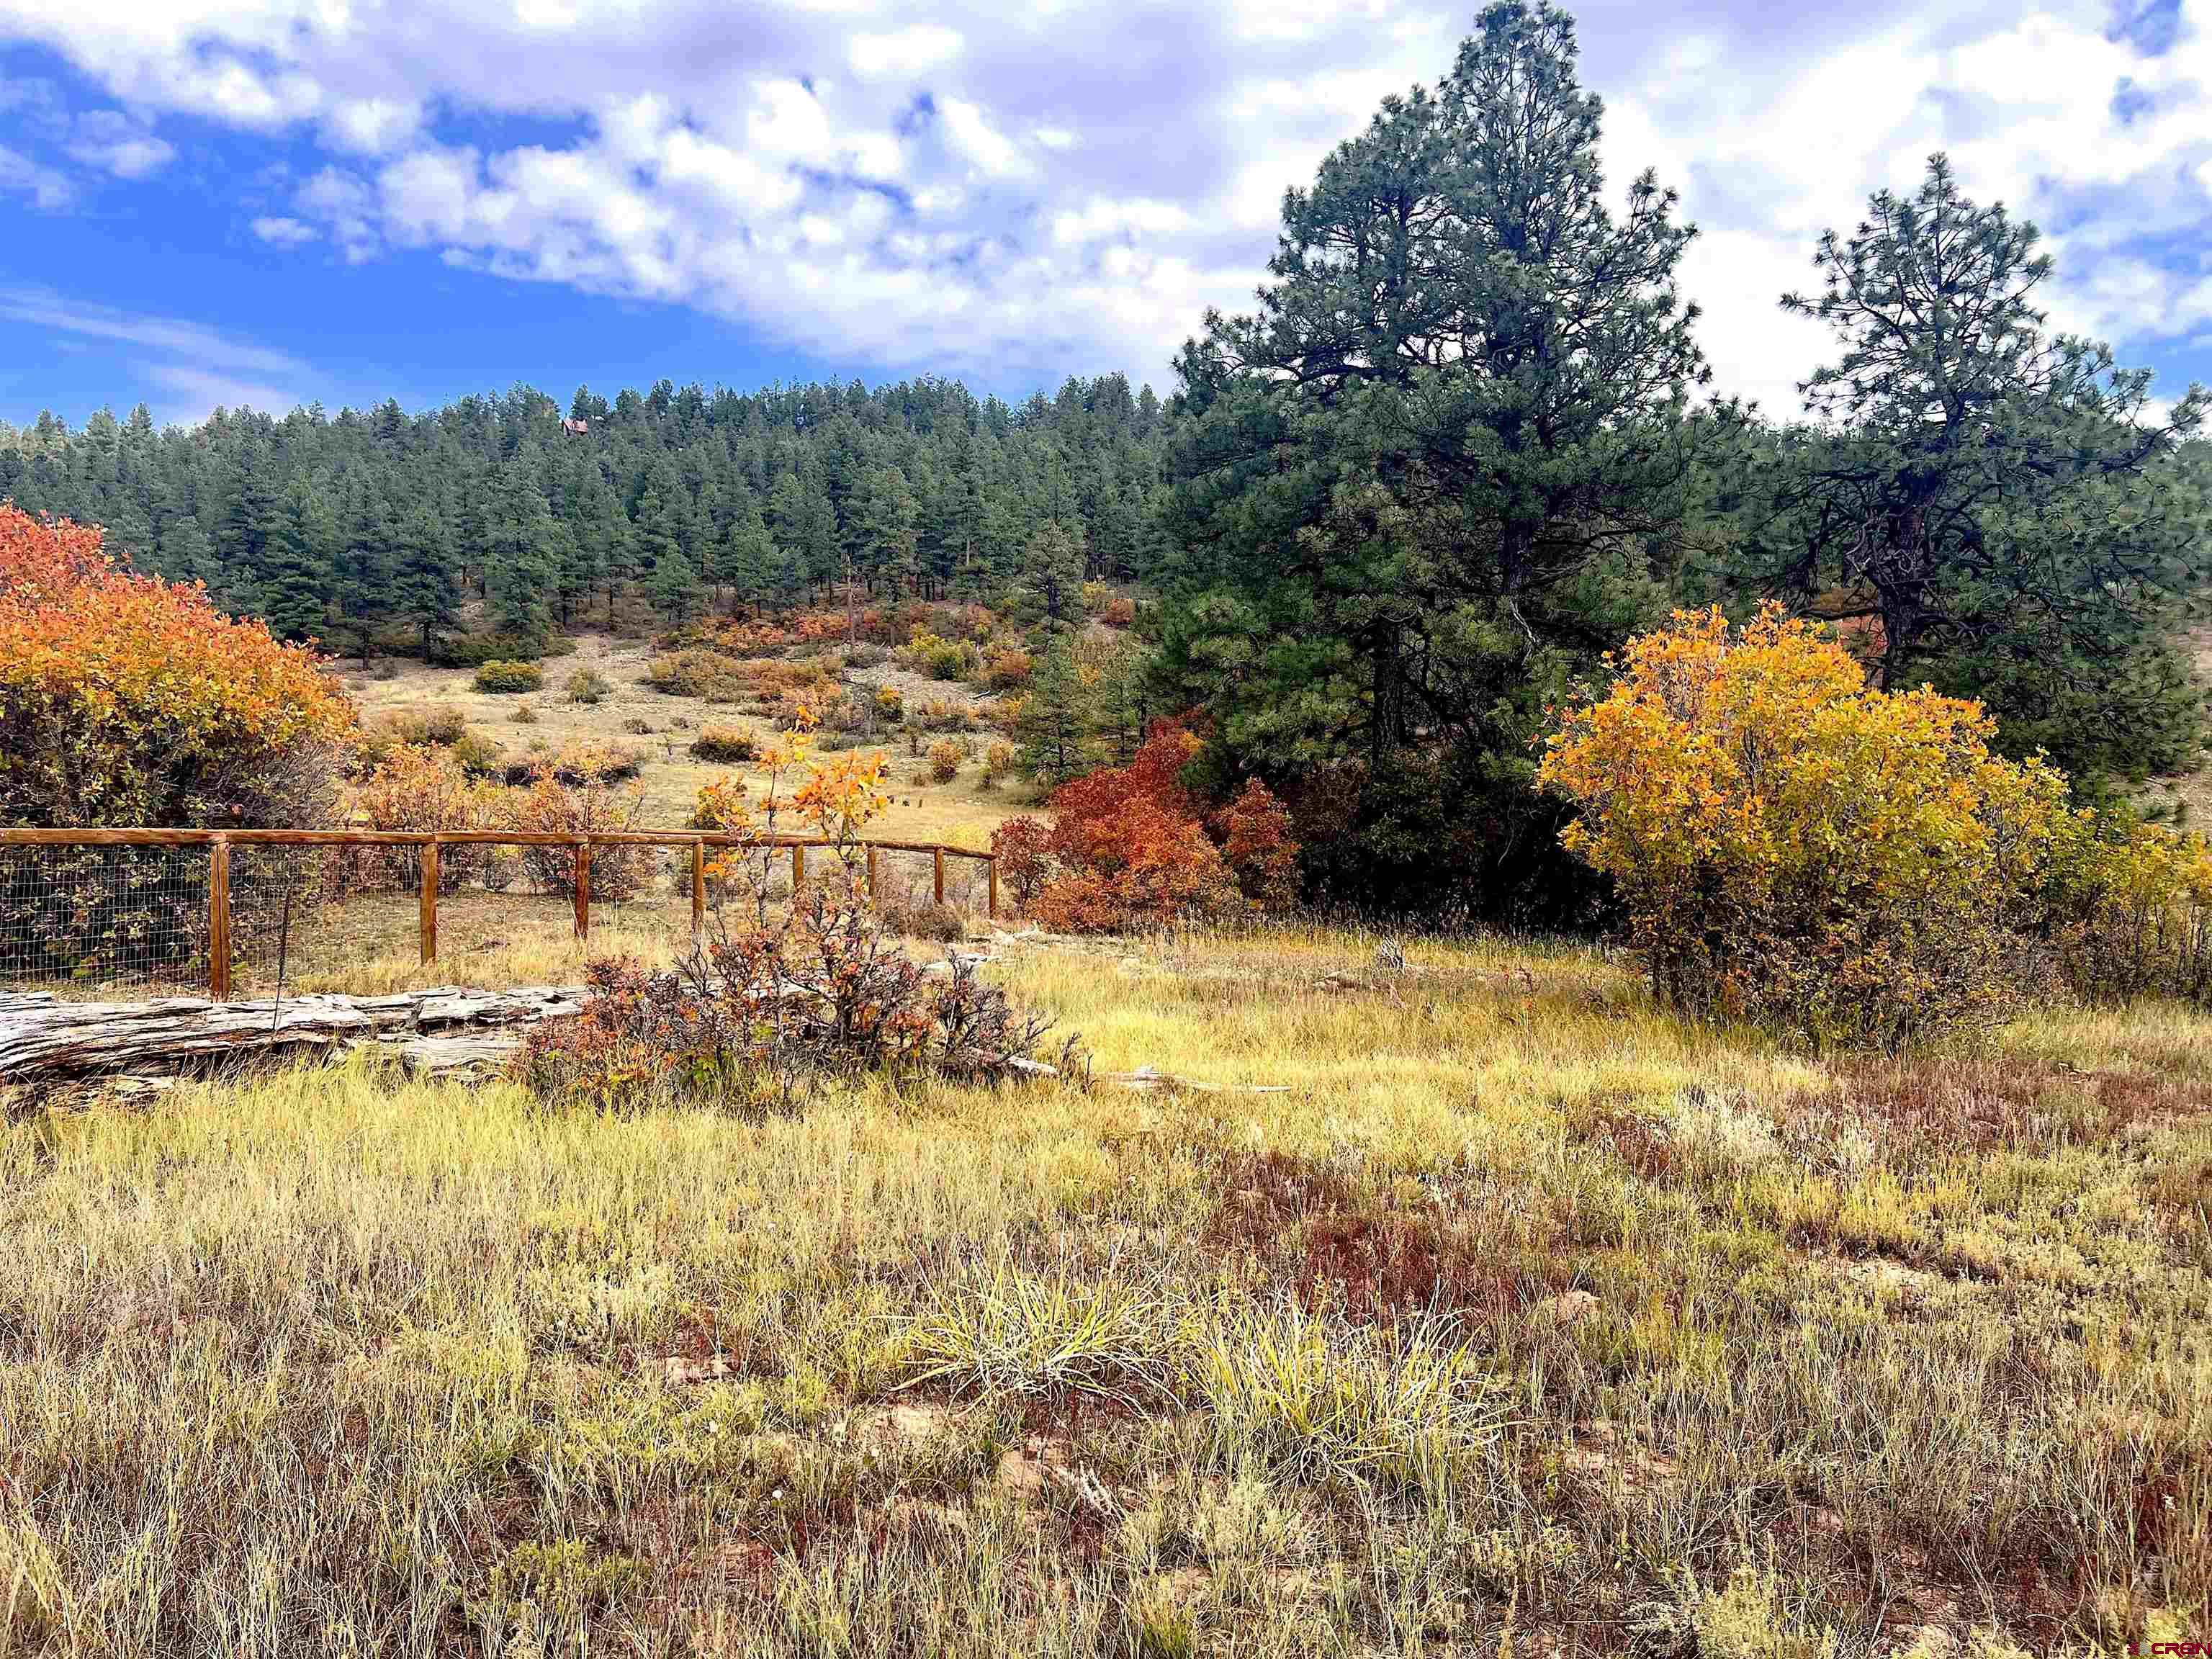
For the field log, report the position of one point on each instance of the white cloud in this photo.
(1020, 194)
(21, 175)
(910, 52)
(199, 367)
(372, 126)
(112, 142)
(283, 231)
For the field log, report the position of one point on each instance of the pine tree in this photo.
(425, 593)
(1055, 728)
(299, 564)
(521, 569)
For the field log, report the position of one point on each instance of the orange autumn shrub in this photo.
(2136, 913)
(578, 792)
(1133, 850)
(417, 789)
(1258, 847)
(1023, 848)
(126, 700)
(1793, 845)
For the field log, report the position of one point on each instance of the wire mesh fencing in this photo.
(249, 913)
(95, 918)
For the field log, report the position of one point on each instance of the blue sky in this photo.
(208, 202)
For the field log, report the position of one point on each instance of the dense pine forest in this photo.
(381, 529)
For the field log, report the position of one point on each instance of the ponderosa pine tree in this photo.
(521, 567)
(1440, 469)
(1049, 588)
(2001, 504)
(1054, 726)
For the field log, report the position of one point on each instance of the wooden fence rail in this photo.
(219, 843)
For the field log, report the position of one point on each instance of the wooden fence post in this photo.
(798, 871)
(698, 888)
(940, 874)
(872, 889)
(430, 906)
(219, 919)
(994, 867)
(583, 888)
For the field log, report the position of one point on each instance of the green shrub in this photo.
(479, 755)
(697, 673)
(725, 744)
(588, 685)
(510, 674)
(474, 650)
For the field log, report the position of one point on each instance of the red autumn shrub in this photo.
(1022, 847)
(1257, 845)
(1135, 852)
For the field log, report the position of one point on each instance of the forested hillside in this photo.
(665, 506)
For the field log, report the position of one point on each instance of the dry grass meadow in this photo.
(1527, 1321)
(961, 813)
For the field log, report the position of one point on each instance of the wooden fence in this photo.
(219, 843)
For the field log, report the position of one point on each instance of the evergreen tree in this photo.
(1439, 470)
(521, 565)
(2001, 503)
(300, 561)
(745, 561)
(424, 591)
(1054, 729)
(247, 545)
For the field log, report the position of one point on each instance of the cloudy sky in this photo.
(276, 201)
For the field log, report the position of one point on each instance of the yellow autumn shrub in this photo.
(2136, 914)
(1793, 845)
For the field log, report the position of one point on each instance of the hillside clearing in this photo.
(961, 813)
(1525, 1307)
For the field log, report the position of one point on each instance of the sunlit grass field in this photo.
(1527, 1321)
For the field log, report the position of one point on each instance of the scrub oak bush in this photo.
(1023, 848)
(1258, 847)
(1794, 846)
(419, 788)
(1131, 849)
(943, 761)
(125, 700)
(2136, 914)
(725, 744)
(588, 686)
(776, 994)
(510, 674)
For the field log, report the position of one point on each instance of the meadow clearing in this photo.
(1528, 1318)
(960, 812)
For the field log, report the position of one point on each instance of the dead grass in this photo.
(1528, 1321)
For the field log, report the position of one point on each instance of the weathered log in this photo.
(43, 1037)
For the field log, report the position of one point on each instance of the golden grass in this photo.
(1529, 1320)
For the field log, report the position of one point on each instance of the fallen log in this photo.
(43, 1037)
